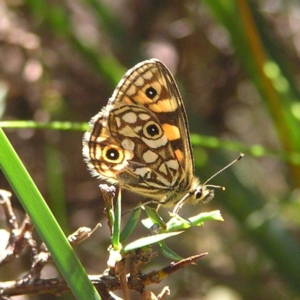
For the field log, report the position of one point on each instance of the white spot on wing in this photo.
(131, 91)
(156, 143)
(130, 118)
(164, 182)
(128, 144)
(138, 128)
(140, 81)
(150, 156)
(144, 116)
(148, 75)
(162, 168)
(172, 164)
(100, 139)
(118, 121)
(142, 172)
(127, 131)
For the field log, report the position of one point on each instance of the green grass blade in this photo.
(117, 224)
(54, 125)
(44, 222)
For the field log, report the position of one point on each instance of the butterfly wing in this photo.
(140, 139)
(151, 85)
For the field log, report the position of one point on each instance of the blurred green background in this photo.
(237, 66)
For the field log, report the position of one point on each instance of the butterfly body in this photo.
(140, 140)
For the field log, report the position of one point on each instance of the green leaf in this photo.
(154, 217)
(149, 240)
(177, 223)
(198, 220)
(130, 224)
(167, 252)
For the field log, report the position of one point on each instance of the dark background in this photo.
(60, 61)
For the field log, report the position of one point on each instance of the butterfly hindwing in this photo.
(154, 162)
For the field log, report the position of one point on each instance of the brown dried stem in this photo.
(126, 275)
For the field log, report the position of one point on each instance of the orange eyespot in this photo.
(113, 154)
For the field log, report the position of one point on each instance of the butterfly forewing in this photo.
(166, 105)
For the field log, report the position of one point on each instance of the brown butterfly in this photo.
(140, 140)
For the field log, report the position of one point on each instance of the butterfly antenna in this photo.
(224, 168)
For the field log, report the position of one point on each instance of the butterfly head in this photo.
(198, 193)
(202, 194)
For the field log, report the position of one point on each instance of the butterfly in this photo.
(140, 139)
